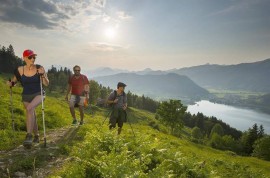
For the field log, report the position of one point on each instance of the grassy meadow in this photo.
(144, 149)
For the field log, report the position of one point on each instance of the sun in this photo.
(110, 32)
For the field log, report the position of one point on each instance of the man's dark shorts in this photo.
(117, 116)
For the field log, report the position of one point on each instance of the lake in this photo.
(238, 118)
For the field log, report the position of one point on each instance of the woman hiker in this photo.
(30, 75)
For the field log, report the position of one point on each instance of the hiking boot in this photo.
(28, 140)
(119, 130)
(81, 122)
(74, 122)
(36, 139)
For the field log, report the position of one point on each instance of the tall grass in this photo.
(150, 153)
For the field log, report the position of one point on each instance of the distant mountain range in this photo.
(160, 87)
(245, 76)
(104, 71)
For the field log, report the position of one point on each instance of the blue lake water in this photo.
(238, 118)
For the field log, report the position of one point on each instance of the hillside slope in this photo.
(144, 149)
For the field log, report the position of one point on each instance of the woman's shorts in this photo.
(29, 98)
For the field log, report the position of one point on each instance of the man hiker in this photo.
(30, 75)
(78, 84)
(118, 100)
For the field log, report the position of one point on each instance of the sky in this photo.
(137, 34)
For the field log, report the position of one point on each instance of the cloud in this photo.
(48, 14)
(68, 16)
(99, 3)
(40, 14)
(106, 18)
(123, 16)
(105, 47)
(240, 6)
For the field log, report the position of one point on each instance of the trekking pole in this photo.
(105, 119)
(11, 105)
(42, 104)
(131, 128)
(109, 113)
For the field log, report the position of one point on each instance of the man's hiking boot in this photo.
(36, 139)
(81, 122)
(28, 140)
(119, 130)
(74, 122)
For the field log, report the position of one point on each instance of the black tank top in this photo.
(31, 85)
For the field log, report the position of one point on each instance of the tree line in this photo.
(98, 93)
(58, 79)
(8, 60)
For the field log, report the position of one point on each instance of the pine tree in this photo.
(249, 138)
(261, 132)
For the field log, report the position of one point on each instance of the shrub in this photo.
(262, 148)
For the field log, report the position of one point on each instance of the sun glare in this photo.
(110, 32)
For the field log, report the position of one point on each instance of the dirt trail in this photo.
(39, 160)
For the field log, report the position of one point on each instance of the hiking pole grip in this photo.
(10, 82)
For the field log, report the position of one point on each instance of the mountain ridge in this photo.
(156, 86)
(244, 76)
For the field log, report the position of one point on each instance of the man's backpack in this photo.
(112, 104)
(114, 97)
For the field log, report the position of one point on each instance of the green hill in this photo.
(144, 149)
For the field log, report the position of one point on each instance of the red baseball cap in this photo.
(28, 53)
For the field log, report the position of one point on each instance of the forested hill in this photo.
(246, 76)
(157, 86)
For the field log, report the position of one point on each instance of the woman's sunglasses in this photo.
(31, 57)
